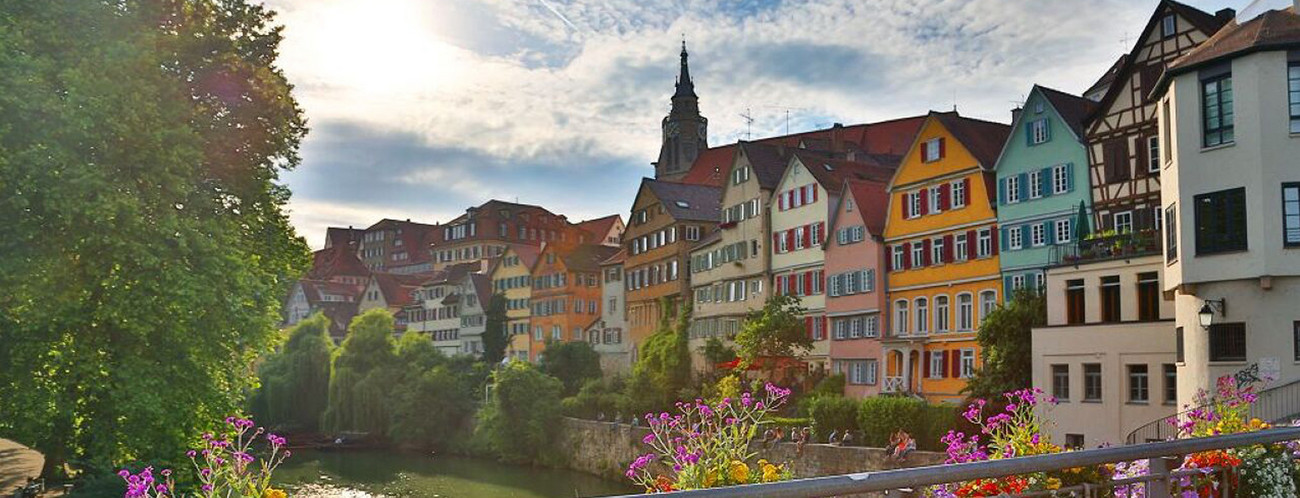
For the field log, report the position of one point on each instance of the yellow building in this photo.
(511, 276)
(943, 255)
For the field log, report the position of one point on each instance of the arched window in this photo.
(922, 315)
(941, 314)
(900, 317)
(965, 312)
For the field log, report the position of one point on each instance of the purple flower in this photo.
(649, 438)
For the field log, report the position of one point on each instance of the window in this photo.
(965, 311)
(936, 364)
(898, 258)
(1092, 382)
(1038, 234)
(1075, 312)
(1138, 384)
(967, 363)
(1293, 91)
(1168, 26)
(959, 247)
(1148, 292)
(918, 254)
(958, 194)
(1221, 221)
(556, 332)
(936, 250)
(922, 316)
(988, 302)
(859, 371)
(1153, 154)
(1216, 110)
(915, 204)
(1014, 238)
(1074, 441)
(1291, 214)
(933, 150)
(940, 313)
(1013, 189)
(1228, 342)
(1035, 184)
(1123, 222)
(1063, 231)
(1171, 233)
(740, 175)
(933, 198)
(1017, 282)
(1110, 299)
(1295, 337)
(1061, 382)
(1060, 179)
(1171, 383)
(900, 317)
(1038, 132)
(985, 247)
(1179, 351)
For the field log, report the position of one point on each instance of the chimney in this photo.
(1015, 114)
(836, 130)
(1225, 15)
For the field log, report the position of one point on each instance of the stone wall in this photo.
(605, 449)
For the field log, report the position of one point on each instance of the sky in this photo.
(421, 108)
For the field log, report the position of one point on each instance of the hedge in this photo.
(880, 417)
(833, 414)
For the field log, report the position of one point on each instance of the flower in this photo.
(273, 493)
(738, 471)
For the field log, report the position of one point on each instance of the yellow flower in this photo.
(1053, 483)
(739, 472)
(273, 493)
(770, 472)
(710, 478)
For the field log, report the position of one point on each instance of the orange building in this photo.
(566, 293)
(943, 255)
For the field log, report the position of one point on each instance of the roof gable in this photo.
(975, 141)
(1061, 107)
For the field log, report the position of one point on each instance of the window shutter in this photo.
(925, 253)
(814, 191)
(925, 364)
(1029, 133)
(776, 242)
(945, 196)
(965, 187)
(1049, 234)
(1002, 191)
(1069, 177)
(1045, 183)
(825, 331)
(1047, 129)
(807, 325)
(1023, 183)
(780, 202)
(1025, 241)
(942, 148)
(947, 248)
(946, 360)
(925, 201)
(907, 256)
(807, 236)
(994, 243)
(956, 362)
(907, 204)
(808, 283)
(821, 232)
(889, 258)
(971, 242)
(789, 240)
(1143, 151)
(1007, 286)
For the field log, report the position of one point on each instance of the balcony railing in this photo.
(910, 482)
(1108, 245)
(894, 385)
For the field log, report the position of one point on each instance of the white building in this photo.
(1230, 123)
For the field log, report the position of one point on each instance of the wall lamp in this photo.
(1206, 315)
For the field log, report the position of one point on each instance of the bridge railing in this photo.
(1160, 457)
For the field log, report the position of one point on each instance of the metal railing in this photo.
(1119, 245)
(909, 481)
(1277, 404)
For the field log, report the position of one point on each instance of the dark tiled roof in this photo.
(1103, 84)
(768, 162)
(1274, 29)
(617, 259)
(482, 288)
(687, 202)
(831, 173)
(338, 236)
(712, 238)
(1204, 21)
(587, 257)
(340, 316)
(337, 260)
(984, 139)
(872, 199)
(1073, 110)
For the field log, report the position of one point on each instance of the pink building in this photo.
(855, 285)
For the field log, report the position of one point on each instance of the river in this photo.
(362, 474)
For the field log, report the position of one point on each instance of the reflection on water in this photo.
(366, 474)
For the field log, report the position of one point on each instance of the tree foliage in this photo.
(295, 380)
(496, 335)
(362, 373)
(663, 370)
(431, 399)
(519, 418)
(574, 363)
(774, 331)
(146, 246)
(1004, 338)
(715, 351)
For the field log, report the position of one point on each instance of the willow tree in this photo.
(146, 248)
(295, 381)
(364, 370)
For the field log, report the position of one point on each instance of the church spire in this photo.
(685, 87)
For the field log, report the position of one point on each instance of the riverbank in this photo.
(18, 463)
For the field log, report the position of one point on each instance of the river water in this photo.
(365, 474)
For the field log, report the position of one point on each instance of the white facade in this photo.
(608, 335)
(1212, 191)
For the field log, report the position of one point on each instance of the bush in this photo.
(831, 385)
(574, 363)
(519, 419)
(883, 415)
(598, 396)
(833, 414)
(796, 423)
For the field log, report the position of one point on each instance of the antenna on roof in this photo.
(749, 121)
(787, 110)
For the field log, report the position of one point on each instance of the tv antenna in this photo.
(749, 121)
(787, 110)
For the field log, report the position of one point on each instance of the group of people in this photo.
(900, 443)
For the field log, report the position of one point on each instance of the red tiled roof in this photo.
(599, 228)
(397, 287)
(482, 287)
(872, 199)
(1273, 29)
(340, 316)
(337, 260)
(831, 173)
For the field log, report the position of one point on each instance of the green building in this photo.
(1042, 182)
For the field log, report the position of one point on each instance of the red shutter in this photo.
(925, 256)
(814, 190)
(821, 232)
(776, 242)
(889, 258)
(994, 240)
(970, 244)
(956, 363)
(789, 240)
(807, 235)
(925, 201)
(965, 187)
(946, 358)
(907, 256)
(943, 146)
(807, 283)
(925, 364)
(807, 326)
(945, 196)
(907, 205)
(947, 248)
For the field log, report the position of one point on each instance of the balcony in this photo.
(894, 385)
(1106, 245)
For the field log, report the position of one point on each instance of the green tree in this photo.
(519, 418)
(574, 363)
(1004, 338)
(295, 381)
(715, 352)
(146, 246)
(774, 331)
(429, 403)
(496, 335)
(363, 372)
(662, 373)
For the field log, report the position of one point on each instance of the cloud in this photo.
(423, 108)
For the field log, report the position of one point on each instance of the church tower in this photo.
(685, 131)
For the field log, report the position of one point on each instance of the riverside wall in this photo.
(606, 448)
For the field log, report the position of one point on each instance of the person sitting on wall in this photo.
(636, 421)
(847, 440)
(804, 436)
(905, 444)
(833, 438)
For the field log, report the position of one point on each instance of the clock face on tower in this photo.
(671, 130)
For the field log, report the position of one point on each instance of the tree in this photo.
(1004, 338)
(574, 363)
(662, 372)
(715, 351)
(518, 420)
(295, 381)
(496, 335)
(429, 403)
(364, 370)
(146, 245)
(774, 331)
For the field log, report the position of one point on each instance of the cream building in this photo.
(1230, 121)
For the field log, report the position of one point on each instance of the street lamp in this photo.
(1206, 315)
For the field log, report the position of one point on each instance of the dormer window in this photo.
(1038, 107)
(682, 204)
(1169, 26)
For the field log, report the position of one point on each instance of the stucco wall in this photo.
(605, 449)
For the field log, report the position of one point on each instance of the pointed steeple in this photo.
(685, 87)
